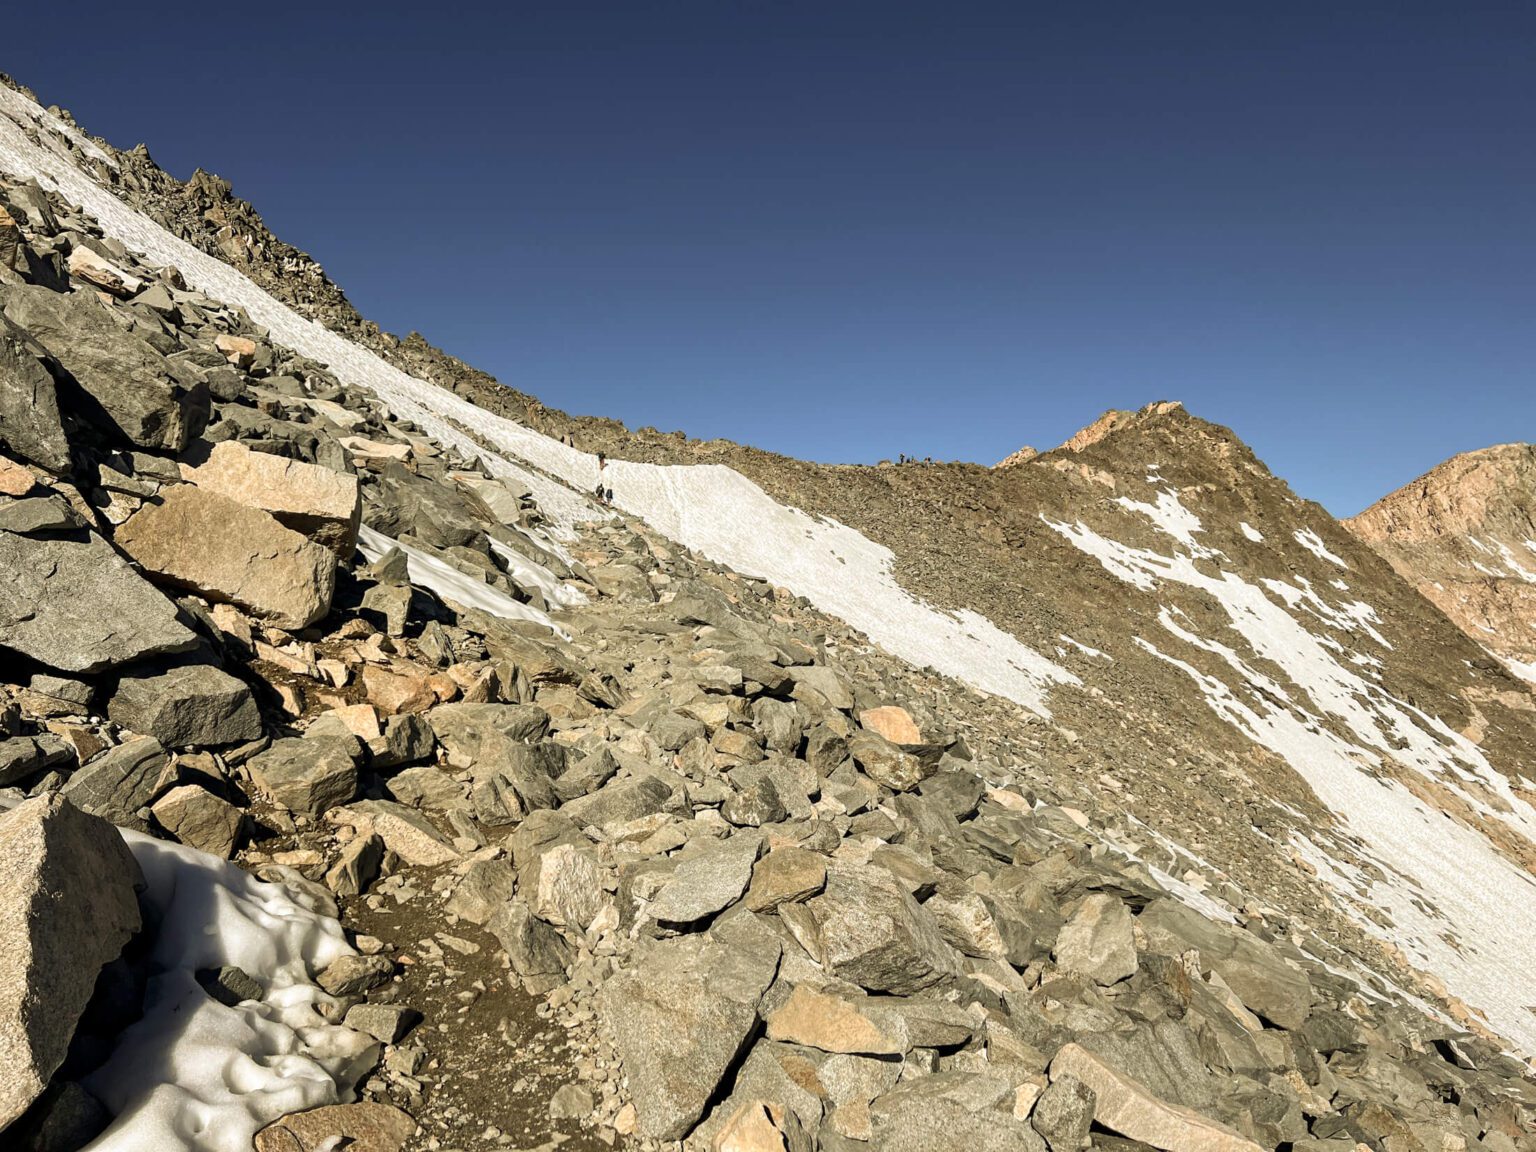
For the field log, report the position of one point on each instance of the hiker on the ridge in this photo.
(604, 493)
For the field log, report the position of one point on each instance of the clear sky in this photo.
(844, 230)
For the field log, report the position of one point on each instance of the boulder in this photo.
(885, 763)
(873, 934)
(189, 704)
(1122, 1105)
(895, 724)
(682, 1016)
(838, 1024)
(67, 907)
(121, 781)
(307, 775)
(74, 604)
(1097, 941)
(1254, 970)
(784, 876)
(708, 881)
(31, 424)
(229, 552)
(1064, 1114)
(129, 387)
(316, 502)
(910, 1121)
(199, 819)
(405, 832)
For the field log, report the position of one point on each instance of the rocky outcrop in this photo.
(67, 907)
(1464, 535)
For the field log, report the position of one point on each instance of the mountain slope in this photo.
(1178, 661)
(1464, 535)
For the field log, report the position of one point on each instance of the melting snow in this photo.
(1313, 543)
(1251, 532)
(194, 1074)
(1459, 908)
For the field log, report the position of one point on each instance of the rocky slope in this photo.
(1116, 798)
(1464, 535)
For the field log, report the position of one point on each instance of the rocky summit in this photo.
(364, 783)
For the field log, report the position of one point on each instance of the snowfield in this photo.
(1458, 908)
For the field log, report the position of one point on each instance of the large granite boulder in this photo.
(314, 501)
(191, 704)
(67, 907)
(229, 552)
(31, 424)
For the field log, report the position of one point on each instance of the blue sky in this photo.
(844, 230)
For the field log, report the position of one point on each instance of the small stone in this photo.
(353, 975)
(387, 1023)
(571, 1102)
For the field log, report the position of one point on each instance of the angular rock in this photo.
(137, 395)
(67, 907)
(534, 948)
(1124, 1106)
(873, 934)
(884, 763)
(893, 723)
(462, 729)
(1097, 941)
(486, 886)
(357, 1127)
(1252, 969)
(121, 781)
(30, 422)
(405, 832)
(228, 552)
(324, 505)
(568, 890)
(76, 605)
(680, 1018)
(201, 820)
(386, 1023)
(1064, 1114)
(352, 975)
(191, 704)
(913, 1122)
(707, 882)
(784, 876)
(23, 756)
(838, 1024)
(307, 775)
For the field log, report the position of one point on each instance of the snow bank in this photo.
(709, 508)
(194, 1074)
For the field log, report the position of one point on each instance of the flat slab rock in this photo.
(74, 604)
(314, 501)
(356, 1127)
(67, 907)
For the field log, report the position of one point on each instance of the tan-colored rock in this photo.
(360, 448)
(93, 269)
(316, 502)
(200, 819)
(14, 479)
(837, 1024)
(358, 1127)
(1125, 1106)
(569, 889)
(894, 723)
(1462, 535)
(784, 876)
(226, 551)
(405, 832)
(399, 688)
(238, 350)
(756, 1126)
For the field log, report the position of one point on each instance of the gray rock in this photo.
(534, 948)
(873, 934)
(681, 1017)
(463, 729)
(1097, 941)
(30, 422)
(76, 605)
(67, 907)
(128, 379)
(230, 985)
(485, 887)
(191, 704)
(1252, 969)
(352, 975)
(571, 1102)
(885, 763)
(121, 781)
(1064, 1113)
(38, 514)
(386, 1023)
(619, 802)
(708, 881)
(909, 1122)
(406, 739)
(307, 775)
(23, 756)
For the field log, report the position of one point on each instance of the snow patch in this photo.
(1251, 532)
(1313, 543)
(196, 1075)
